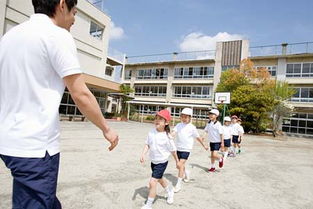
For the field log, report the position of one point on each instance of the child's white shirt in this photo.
(227, 132)
(242, 131)
(160, 146)
(186, 133)
(236, 130)
(214, 130)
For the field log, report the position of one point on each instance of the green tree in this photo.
(252, 95)
(125, 90)
(282, 93)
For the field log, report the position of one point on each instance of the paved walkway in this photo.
(268, 174)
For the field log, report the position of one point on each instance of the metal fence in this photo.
(282, 49)
(175, 56)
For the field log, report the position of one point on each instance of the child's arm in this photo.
(144, 152)
(201, 141)
(222, 140)
(174, 153)
(173, 134)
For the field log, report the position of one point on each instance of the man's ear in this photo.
(62, 6)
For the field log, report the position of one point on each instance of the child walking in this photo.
(227, 133)
(214, 129)
(161, 146)
(241, 132)
(186, 132)
(236, 130)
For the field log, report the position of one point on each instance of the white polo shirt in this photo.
(236, 130)
(34, 57)
(214, 130)
(227, 132)
(160, 146)
(186, 133)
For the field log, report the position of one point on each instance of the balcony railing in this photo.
(283, 49)
(175, 56)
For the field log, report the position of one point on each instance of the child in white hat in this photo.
(227, 135)
(214, 129)
(186, 132)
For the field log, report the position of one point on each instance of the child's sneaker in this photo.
(177, 188)
(170, 198)
(211, 170)
(146, 207)
(221, 163)
(187, 177)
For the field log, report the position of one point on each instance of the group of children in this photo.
(160, 144)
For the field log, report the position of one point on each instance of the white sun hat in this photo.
(227, 119)
(215, 112)
(187, 111)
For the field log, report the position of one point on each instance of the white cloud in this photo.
(198, 41)
(116, 32)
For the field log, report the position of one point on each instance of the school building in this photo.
(189, 79)
(101, 66)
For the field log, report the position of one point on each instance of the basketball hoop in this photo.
(222, 98)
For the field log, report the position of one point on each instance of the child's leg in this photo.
(225, 152)
(152, 187)
(181, 171)
(163, 183)
(152, 192)
(181, 174)
(212, 159)
(169, 190)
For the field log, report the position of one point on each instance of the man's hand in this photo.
(206, 148)
(142, 159)
(112, 137)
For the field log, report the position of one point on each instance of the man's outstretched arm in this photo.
(88, 105)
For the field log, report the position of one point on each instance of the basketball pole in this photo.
(224, 109)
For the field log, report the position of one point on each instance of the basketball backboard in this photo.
(222, 98)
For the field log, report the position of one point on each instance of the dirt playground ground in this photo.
(268, 174)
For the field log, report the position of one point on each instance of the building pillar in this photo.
(281, 69)
(169, 87)
(3, 8)
(217, 67)
(244, 49)
(106, 102)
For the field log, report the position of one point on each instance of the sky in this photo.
(141, 27)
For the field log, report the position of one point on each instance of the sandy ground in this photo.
(268, 174)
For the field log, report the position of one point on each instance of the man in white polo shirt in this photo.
(38, 59)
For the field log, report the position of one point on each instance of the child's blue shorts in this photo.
(183, 155)
(227, 142)
(215, 146)
(158, 169)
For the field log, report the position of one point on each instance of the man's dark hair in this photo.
(48, 7)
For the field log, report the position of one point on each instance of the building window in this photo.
(303, 94)
(156, 73)
(96, 30)
(194, 72)
(271, 69)
(197, 113)
(299, 70)
(68, 107)
(148, 109)
(154, 91)
(299, 123)
(128, 74)
(109, 70)
(199, 92)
